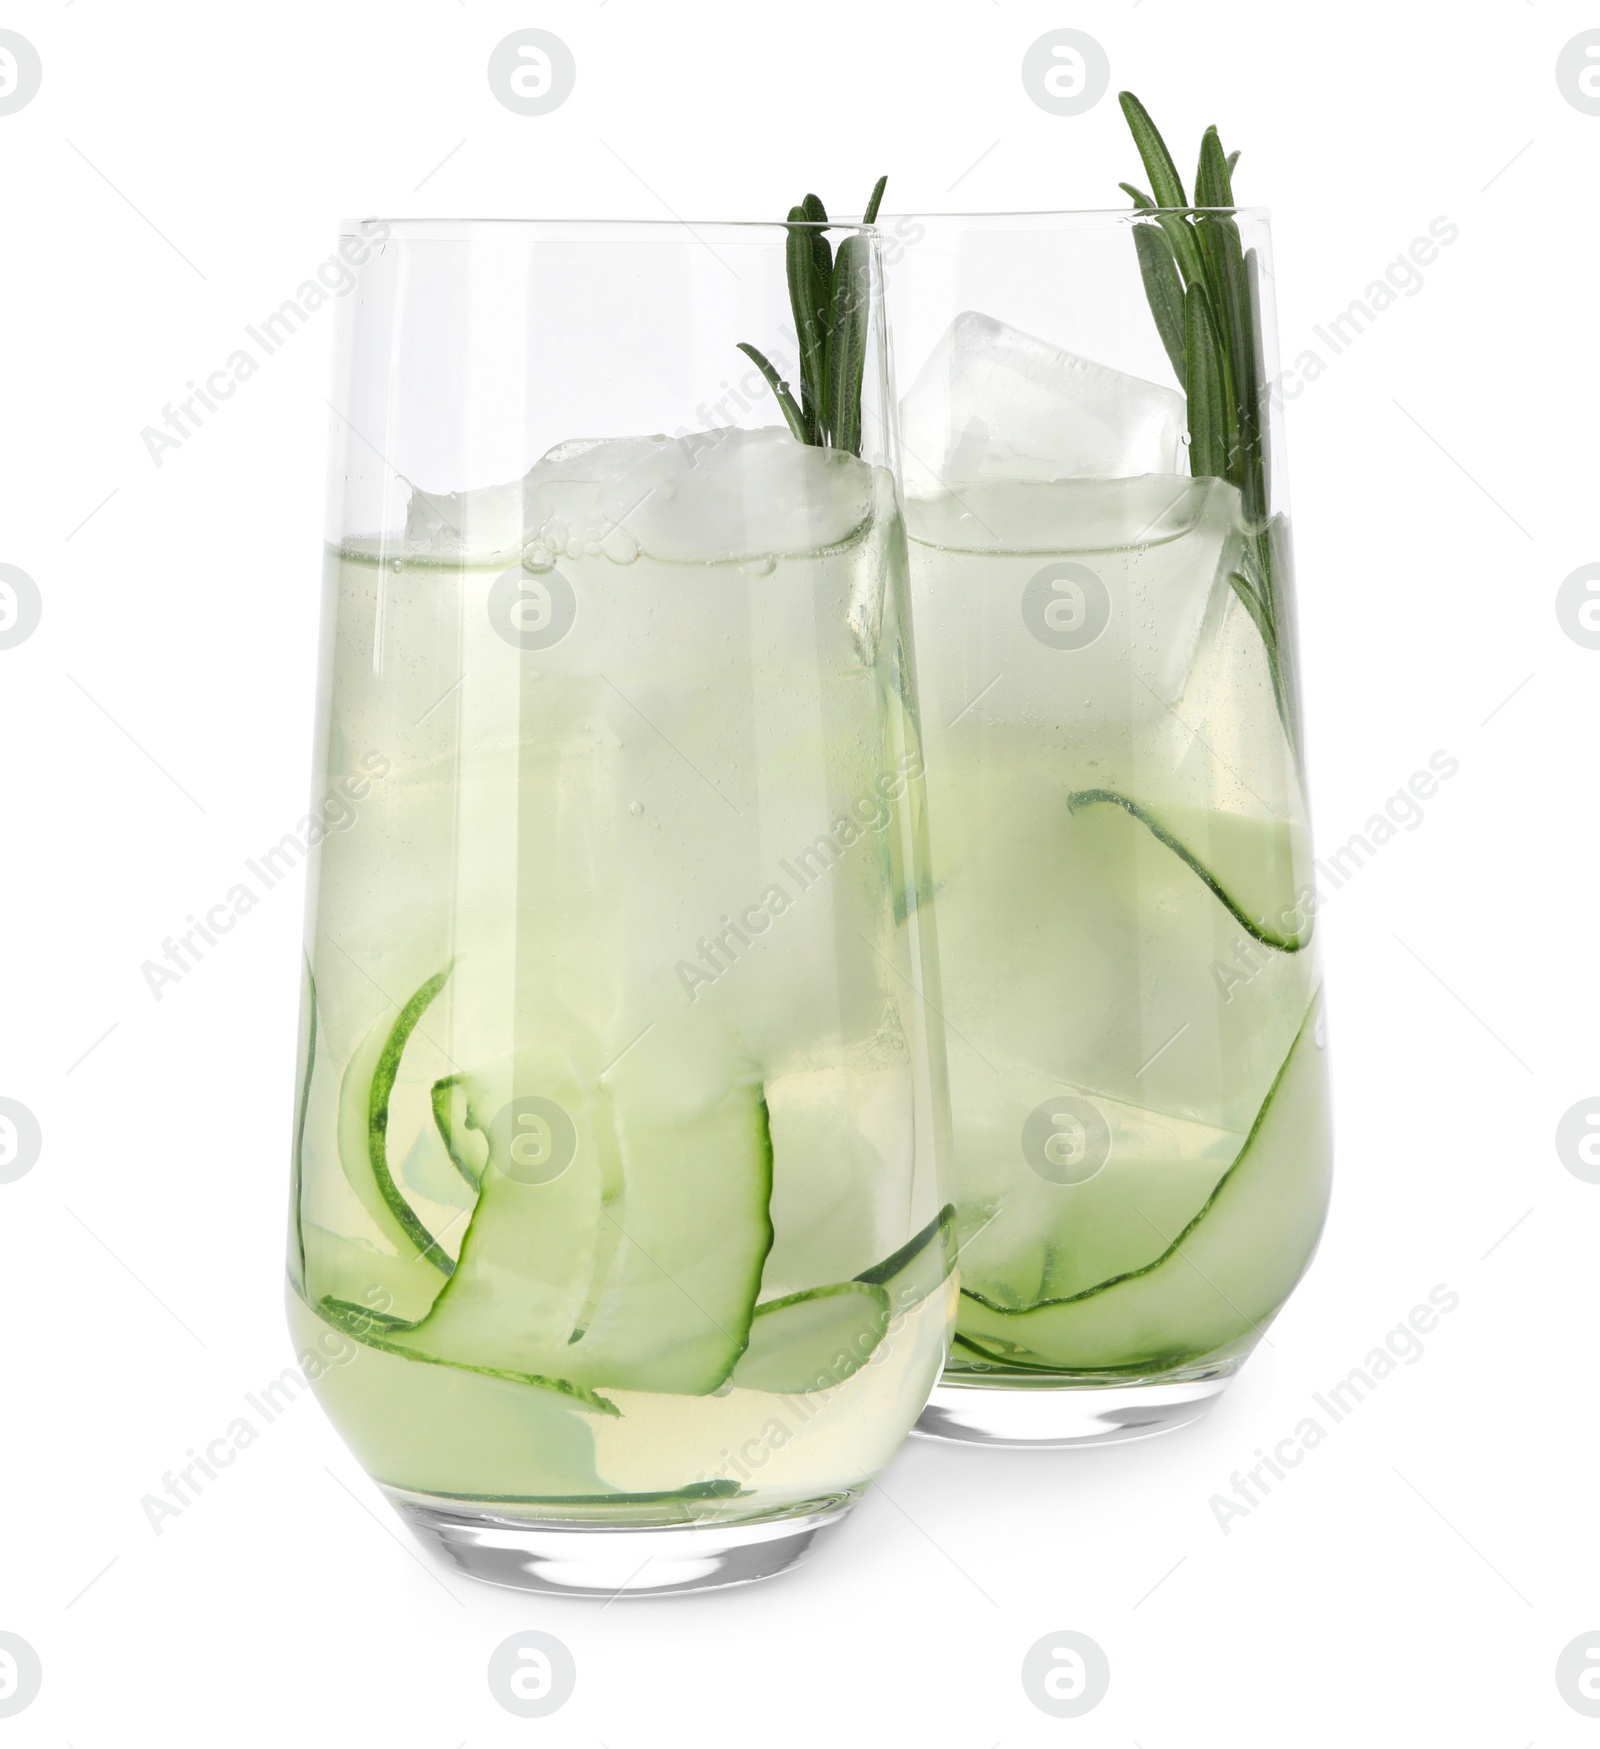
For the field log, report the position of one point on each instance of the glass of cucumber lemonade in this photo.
(619, 1252)
(1106, 644)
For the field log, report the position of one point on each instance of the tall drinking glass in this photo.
(1106, 642)
(619, 1254)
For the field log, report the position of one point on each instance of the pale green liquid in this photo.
(571, 830)
(1081, 956)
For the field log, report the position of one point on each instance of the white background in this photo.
(180, 172)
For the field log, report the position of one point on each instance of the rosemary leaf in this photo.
(1138, 196)
(792, 414)
(1185, 246)
(1223, 373)
(1165, 182)
(830, 298)
(1283, 650)
(1208, 441)
(1219, 245)
(809, 325)
(1211, 184)
(851, 312)
(1164, 289)
(1256, 608)
(1225, 278)
(1258, 381)
(1282, 685)
(822, 290)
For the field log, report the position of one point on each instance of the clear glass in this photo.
(1123, 874)
(617, 1201)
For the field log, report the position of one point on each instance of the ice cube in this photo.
(485, 522)
(712, 495)
(1235, 749)
(993, 403)
(577, 492)
(989, 560)
(726, 494)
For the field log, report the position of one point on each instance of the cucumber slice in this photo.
(917, 1268)
(297, 1237)
(693, 1233)
(1026, 1239)
(363, 1124)
(527, 1254)
(454, 1117)
(359, 1273)
(1222, 1278)
(814, 1340)
(1253, 866)
(387, 1334)
(682, 1246)
(405, 1422)
(839, 1138)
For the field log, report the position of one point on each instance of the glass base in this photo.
(570, 1559)
(1016, 1410)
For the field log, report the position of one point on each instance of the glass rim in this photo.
(444, 230)
(447, 229)
(1118, 213)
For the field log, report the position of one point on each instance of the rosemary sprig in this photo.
(1204, 293)
(830, 295)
